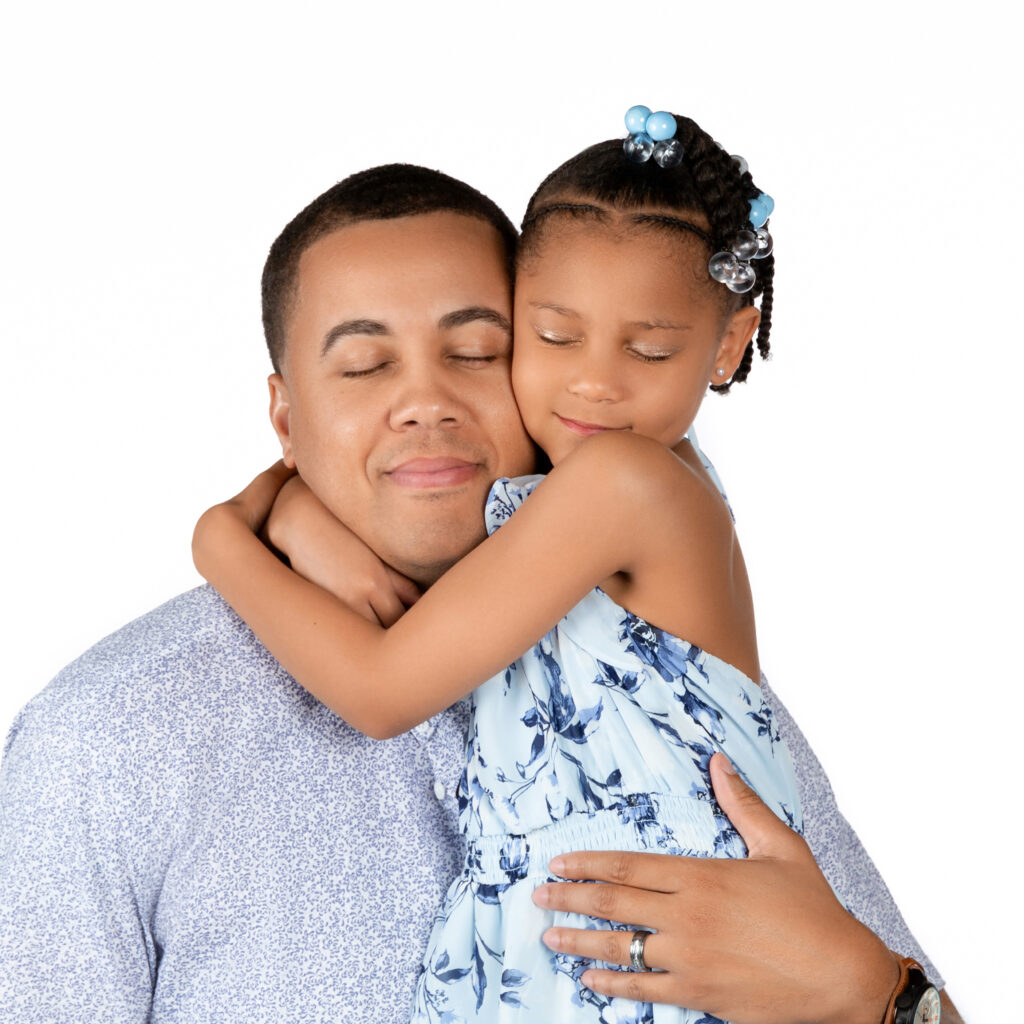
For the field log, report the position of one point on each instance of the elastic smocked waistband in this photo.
(652, 822)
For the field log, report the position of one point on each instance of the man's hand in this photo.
(327, 553)
(755, 941)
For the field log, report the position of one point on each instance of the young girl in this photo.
(600, 736)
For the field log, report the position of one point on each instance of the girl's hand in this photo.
(324, 551)
(250, 507)
(253, 504)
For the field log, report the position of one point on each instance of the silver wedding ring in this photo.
(636, 951)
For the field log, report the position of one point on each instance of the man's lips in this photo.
(433, 472)
(585, 429)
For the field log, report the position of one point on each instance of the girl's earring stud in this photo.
(720, 372)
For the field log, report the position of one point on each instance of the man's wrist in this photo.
(871, 972)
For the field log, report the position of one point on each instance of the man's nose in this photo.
(595, 377)
(424, 396)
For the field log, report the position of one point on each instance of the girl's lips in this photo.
(437, 472)
(585, 429)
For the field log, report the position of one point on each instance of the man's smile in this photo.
(439, 471)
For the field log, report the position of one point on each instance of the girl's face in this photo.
(619, 329)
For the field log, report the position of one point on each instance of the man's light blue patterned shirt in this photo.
(186, 835)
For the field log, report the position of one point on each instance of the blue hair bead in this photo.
(758, 213)
(661, 126)
(636, 119)
(768, 201)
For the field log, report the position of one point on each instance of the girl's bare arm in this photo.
(612, 506)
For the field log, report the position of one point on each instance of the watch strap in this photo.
(912, 983)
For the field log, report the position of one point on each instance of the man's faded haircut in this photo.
(380, 193)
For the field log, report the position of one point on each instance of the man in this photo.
(185, 834)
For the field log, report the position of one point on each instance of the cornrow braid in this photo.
(708, 180)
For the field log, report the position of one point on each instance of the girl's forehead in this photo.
(617, 244)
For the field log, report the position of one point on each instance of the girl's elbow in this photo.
(383, 731)
(380, 725)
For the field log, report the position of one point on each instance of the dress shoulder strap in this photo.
(691, 436)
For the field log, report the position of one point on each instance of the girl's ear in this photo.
(739, 329)
(280, 416)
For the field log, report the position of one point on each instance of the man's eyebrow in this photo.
(474, 314)
(350, 327)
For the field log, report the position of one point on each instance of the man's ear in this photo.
(739, 329)
(280, 416)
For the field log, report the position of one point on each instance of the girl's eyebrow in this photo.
(658, 325)
(555, 308)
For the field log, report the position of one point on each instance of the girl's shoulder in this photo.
(668, 485)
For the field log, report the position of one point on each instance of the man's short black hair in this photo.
(380, 193)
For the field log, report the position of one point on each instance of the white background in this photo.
(154, 152)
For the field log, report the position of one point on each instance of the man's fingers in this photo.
(608, 902)
(640, 870)
(611, 947)
(639, 986)
(765, 834)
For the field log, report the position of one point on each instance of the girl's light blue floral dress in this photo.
(598, 738)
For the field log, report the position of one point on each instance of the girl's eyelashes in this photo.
(555, 339)
(562, 340)
(650, 357)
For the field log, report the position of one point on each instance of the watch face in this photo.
(928, 1009)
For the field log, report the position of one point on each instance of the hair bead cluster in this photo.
(705, 184)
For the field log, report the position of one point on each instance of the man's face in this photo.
(394, 401)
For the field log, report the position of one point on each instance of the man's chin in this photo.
(426, 552)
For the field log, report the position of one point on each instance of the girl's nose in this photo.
(596, 380)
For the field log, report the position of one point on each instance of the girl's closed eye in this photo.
(648, 355)
(555, 338)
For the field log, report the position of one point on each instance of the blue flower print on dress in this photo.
(599, 737)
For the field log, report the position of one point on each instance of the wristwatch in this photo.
(915, 1000)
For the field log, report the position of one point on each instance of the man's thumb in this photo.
(763, 832)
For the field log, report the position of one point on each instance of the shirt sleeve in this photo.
(74, 946)
(839, 853)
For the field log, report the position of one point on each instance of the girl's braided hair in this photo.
(707, 182)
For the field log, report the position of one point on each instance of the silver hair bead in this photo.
(668, 153)
(745, 245)
(638, 148)
(742, 280)
(722, 266)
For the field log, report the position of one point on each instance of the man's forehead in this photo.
(440, 236)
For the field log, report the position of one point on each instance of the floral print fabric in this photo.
(599, 737)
